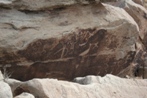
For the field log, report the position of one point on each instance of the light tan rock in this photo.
(138, 13)
(1, 76)
(14, 84)
(34, 5)
(5, 90)
(25, 95)
(104, 87)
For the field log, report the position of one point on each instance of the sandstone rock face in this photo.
(102, 87)
(5, 90)
(66, 42)
(35, 5)
(65, 39)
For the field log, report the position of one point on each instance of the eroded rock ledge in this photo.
(87, 87)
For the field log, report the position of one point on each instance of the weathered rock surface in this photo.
(65, 39)
(145, 3)
(1, 76)
(14, 84)
(141, 2)
(67, 42)
(25, 95)
(138, 13)
(93, 87)
(35, 5)
(5, 90)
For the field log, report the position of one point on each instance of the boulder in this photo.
(14, 84)
(5, 90)
(25, 95)
(138, 13)
(64, 43)
(103, 87)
